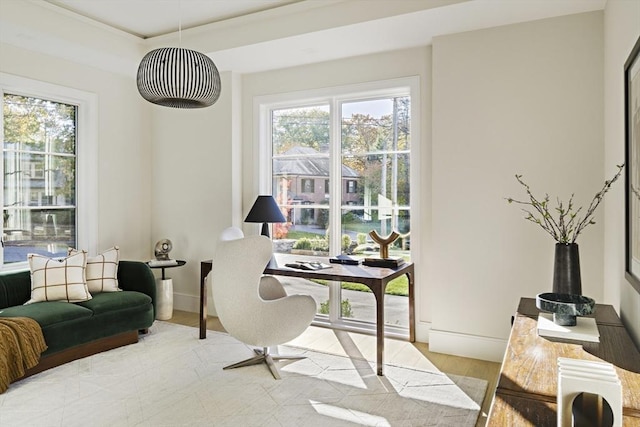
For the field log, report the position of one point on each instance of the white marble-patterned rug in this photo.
(171, 378)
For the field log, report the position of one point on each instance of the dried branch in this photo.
(568, 225)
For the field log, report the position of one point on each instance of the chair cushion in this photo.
(48, 312)
(113, 302)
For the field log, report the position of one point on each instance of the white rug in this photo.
(172, 378)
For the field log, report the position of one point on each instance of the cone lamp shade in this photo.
(178, 78)
(265, 210)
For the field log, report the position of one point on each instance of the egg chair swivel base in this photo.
(263, 356)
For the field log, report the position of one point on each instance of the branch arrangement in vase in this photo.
(567, 225)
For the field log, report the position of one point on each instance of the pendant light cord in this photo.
(180, 23)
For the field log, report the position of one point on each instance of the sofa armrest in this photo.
(137, 276)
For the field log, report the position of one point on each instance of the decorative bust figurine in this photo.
(162, 249)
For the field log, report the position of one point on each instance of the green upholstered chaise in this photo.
(74, 330)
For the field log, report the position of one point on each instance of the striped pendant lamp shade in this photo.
(178, 78)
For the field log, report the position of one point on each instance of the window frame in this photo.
(334, 96)
(86, 153)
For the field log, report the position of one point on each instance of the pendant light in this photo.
(178, 78)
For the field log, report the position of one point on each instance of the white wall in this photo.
(196, 170)
(621, 30)
(519, 99)
(124, 163)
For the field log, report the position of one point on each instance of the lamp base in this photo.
(265, 229)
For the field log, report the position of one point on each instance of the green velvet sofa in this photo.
(74, 330)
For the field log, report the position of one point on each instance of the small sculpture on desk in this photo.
(162, 249)
(384, 260)
(384, 242)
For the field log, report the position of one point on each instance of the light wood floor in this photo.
(396, 351)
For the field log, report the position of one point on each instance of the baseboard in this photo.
(422, 331)
(191, 303)
(475, 347)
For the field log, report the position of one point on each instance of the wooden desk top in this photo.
(369, 276)
(528, 378)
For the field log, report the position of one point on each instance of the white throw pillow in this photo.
(102, 271)
(58, 279)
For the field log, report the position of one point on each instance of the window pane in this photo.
(358, 303)
(382, 179)
(39, 181)
(306, 129)
(300, 178)
(376, 171)
(376, 125)
(357, 223)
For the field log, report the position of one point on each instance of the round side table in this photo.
(164, 292)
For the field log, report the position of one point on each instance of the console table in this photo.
(375, 278)
(527, 387)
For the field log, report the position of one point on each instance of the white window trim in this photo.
(86, 152)
(262, 105)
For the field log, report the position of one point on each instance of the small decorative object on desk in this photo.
(384, 242)
(588, 377)
(394, 262)
(344, 259)
(565, 229)
(564, 320)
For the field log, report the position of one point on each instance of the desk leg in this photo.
(379, 330)
(412, 308)
(205, 269)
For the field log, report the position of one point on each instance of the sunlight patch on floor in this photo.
(355, 345)
(350, 415)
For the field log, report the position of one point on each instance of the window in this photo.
(46, 204)
(39, 160)
(359, 144)
(307, 186)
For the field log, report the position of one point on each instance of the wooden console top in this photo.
(526, 391)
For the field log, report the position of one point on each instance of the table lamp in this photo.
(265, 210)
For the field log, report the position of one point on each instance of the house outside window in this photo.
(41, 170)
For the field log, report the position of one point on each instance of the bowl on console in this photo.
(565, 307)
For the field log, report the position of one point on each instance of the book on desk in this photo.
(345, 260)
(307, 265)
(394, 262)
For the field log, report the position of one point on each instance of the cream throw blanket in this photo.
(21, 342)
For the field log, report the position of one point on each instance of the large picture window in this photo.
(39, 177)
(41, 169)
(359, 145)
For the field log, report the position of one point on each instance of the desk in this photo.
(374, 278)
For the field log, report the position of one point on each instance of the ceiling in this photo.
(151, 18)
(247, 36)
